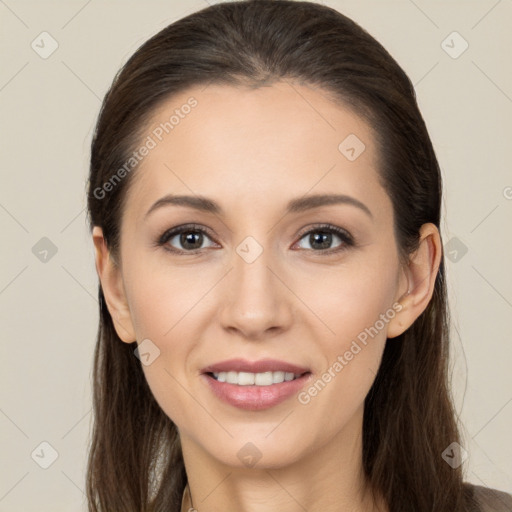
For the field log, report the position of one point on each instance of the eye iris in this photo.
(189, 238)
(322, 237)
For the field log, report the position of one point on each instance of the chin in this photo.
(254, 450)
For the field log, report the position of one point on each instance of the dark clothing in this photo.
(490, 500)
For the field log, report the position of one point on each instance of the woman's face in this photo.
(261, 276)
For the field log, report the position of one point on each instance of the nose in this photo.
(257, 303)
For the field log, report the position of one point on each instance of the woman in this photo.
(265, 206)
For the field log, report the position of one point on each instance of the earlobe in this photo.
(112, 285)
(421, 277)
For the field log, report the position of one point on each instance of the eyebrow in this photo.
(294, 206)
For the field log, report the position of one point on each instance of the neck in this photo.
(329, 479)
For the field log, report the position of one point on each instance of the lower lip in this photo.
(256, 398)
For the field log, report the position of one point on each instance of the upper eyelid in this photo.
(186, 227)
(327, 227)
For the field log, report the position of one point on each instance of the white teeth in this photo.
(245, 379)
(277, 377)
(232, 377)
(251, 379)
(263, 379)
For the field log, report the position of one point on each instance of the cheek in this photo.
(351, 301)
(355, 304)
(165, 305)
(161, 298)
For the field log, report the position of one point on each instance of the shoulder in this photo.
(486, 499)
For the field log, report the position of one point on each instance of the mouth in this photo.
(255, 385)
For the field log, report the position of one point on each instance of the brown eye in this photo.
(322, 238)
(184, 239)
(191, 240)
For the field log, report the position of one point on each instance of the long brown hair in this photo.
(135, 461)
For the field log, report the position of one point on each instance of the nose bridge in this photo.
(257, 302)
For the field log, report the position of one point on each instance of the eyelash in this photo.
(346, 238)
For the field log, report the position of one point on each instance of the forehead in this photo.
(261, 146)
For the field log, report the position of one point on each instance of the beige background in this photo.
(49, 309)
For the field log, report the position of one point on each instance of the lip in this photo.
(264, 365)
(255, 398)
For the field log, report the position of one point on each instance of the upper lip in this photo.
(264, 365)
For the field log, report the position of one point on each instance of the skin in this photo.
(253, 150)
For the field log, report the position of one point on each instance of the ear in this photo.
(113, 288)
(419, 279)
